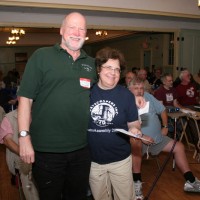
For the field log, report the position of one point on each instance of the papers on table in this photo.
(188, 111)
(197, 107)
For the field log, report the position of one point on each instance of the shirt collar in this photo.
(59, 48)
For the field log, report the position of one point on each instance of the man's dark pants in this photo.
(62, 175)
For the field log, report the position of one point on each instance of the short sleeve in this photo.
(5, 129)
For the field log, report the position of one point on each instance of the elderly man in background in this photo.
(128, 77)
(166, 93)
(186, 90)
(142, 75)
(155, 81)
(152, 127)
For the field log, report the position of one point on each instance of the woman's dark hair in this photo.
(103, 55)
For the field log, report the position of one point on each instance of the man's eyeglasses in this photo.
(110, 69)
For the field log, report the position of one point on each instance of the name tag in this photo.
(85, 82)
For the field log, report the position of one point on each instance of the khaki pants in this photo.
(29, 189)
(28, 186)
(112, 180)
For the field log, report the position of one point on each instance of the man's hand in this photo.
(135, 131)
(147, 139)
(140, 101)
(26, 151)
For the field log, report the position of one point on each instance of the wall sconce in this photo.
(101, 33)
(199, 3)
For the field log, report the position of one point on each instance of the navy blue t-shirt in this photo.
(110, 109)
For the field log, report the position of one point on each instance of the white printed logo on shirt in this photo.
(169, 97)
(103, 112)
(190, 92)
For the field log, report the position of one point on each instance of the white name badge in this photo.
(144, 110)
(85, 82)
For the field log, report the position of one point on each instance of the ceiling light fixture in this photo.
(10, 42)
(15, 35)
(101, 33)
(13, 38)
(18, 31)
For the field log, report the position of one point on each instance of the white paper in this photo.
(144, 110)
(188, 111)
(131, 134)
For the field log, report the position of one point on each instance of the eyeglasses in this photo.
(110, 69)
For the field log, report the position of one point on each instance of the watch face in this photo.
(23, 133)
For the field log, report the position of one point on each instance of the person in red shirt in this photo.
(166, 93)
(186, 90)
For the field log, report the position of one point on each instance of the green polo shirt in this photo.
(59, 87)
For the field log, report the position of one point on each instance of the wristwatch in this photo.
(23, 133)
(165, 126)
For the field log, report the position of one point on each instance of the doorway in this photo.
(147, 59)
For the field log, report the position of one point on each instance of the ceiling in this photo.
(93, 38)
(91, 33)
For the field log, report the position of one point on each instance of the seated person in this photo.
(9, 137)
(186, 90)
(128, 77)
(196, 78)
(188, 97)
(142, 75)
(156, 79)
(166, 93)
(151, 126)
(5, 100)
(2, 113)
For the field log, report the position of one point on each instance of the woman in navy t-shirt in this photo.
(112, 106)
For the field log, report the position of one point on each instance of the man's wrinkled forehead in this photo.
(138, 86)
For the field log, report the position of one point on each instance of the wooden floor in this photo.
(168, 187)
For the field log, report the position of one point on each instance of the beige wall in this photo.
(175, 7)
(133, 50)
(126, 14)
(131, 47)
(140, 15)
(7, 56)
